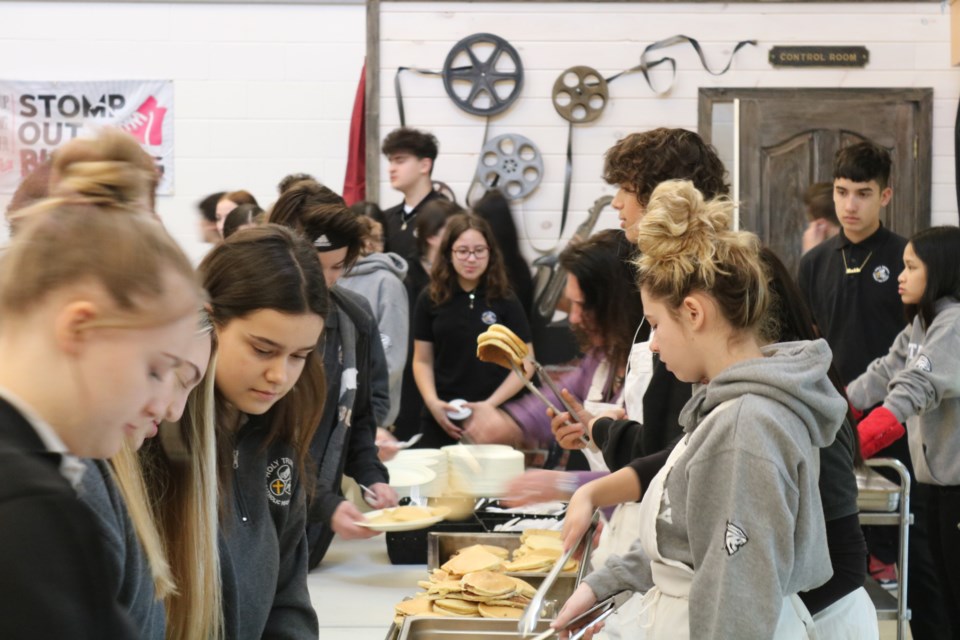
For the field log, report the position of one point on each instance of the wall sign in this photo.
(36, 117)
(819, 56)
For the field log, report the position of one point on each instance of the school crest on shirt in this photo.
(734, 538)
(280, 481)
(489, 317)
(881, 274)
(923, 363)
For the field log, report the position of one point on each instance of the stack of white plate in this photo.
(409, 480)
(482, 470)
(433, 459)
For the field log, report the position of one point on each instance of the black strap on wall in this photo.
(396, 88)
(644, 68)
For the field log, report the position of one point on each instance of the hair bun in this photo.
(108, 170)
(102, 183)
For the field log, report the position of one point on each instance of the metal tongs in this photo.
(597, 613)
(528, 621)
(548, 381)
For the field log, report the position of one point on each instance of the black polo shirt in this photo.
(453, 328)
(859, 314)
(396, 237)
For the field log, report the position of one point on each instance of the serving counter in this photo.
(355, 588)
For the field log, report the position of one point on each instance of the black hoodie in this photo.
(56, 581)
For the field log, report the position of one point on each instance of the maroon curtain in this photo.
(354, 182)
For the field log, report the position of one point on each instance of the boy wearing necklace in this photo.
(850, 280)
(411, 155)
(850, 284)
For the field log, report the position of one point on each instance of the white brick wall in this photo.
(260, 90)
(263, 90)
(908, 42)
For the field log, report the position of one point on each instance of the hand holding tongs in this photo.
(528, 621)
(548, 381)
(597, 613)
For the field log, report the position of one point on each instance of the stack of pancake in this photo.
(539, 551)
(472, 583)
(501, 346)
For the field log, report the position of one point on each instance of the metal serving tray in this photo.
(418, 628)
(876, 493)
(441, 546)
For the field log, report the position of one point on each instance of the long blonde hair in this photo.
(170, 489)
(686, 245)
(101, 187)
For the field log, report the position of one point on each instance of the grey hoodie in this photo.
(263, 541)
(378, 277)
(741, 506)
(919, 382)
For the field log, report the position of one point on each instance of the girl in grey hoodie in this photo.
(733, 523)
(918, 382)
(378, 277)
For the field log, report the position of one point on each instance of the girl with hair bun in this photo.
(155, 501)
(98, 307)
(732, 524)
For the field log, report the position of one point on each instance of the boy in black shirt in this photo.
(850, 284)
(411, 154)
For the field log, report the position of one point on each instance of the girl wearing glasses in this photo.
(468, 292)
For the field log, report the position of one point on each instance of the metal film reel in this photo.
(444, 189)
(490, 84)
(580, 94)
(511, 163)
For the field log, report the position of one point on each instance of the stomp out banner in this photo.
(38, 117)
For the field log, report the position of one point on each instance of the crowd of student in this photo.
(173, 440)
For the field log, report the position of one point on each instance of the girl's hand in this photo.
(537, 485)
(487, 424)
(384, 496)
(569, 434)
(581, 600)
(344, 522)
(578, 517)
(438, 409)
(387, 448)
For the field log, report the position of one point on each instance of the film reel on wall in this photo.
(483, 84)
(483, 75)
(580, 94)
(512, 163)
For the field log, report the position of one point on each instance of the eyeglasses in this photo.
(462, 253)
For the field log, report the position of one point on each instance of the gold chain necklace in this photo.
(854, 270)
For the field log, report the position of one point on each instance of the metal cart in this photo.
(882, 503)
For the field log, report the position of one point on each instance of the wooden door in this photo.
(788, 138)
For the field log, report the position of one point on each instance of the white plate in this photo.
(406, 475)
(439, 514)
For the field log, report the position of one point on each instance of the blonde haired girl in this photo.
(157, 505)
(98, 309)
(733, 523)
(155, 511)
